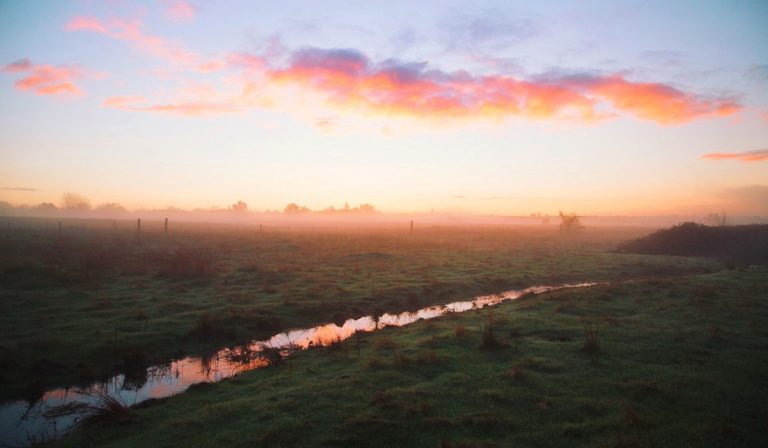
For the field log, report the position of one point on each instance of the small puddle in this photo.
(59, 409)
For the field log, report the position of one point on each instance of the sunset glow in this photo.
(604, 108)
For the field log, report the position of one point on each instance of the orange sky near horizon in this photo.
(493, 109)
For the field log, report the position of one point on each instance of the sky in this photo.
(488, 107)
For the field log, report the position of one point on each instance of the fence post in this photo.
(357, 338)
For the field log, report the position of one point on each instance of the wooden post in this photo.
(411, 226)
(165, 227)
(357, 338)
(59, 228)
(138, 225)
(114, 226)
(261, 229)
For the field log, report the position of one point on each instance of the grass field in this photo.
(677, 361)
(670, 351)
(92, 301)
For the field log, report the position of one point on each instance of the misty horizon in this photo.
(79, 207)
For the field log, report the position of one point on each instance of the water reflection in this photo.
(59, 409)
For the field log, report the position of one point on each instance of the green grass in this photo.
(680, 362)
(91, 302)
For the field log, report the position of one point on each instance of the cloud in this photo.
(179, 10)
(757, 73)
(17, 189)
(86, 24)
(159, 47)
(490, 30)
(665, 58)
(348, 77)
(46, 79)
(405, 39)
(760, 155)
(188, 108)
(653, 101)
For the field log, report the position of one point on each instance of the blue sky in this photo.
(581, 112)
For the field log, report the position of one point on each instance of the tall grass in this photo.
(591, 338)
(189, 264)
(105, 409)
(490, 341)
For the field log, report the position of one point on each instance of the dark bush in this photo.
(490, 341)
(733, 245)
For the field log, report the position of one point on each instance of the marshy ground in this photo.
(671, 362)
(673, 352)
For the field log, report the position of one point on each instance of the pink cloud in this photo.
(187, 108)
(22, 65)
(45, 79)
(348, 77)
(247, 61)
(156, 46)
(759, 155)
(180, 11)
(123, 101)
(85, 24)
(655, 101)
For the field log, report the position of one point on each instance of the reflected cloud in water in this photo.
(59, 409)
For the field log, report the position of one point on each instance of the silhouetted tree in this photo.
(45, 206)
(367, 208)
(240, 206)
(110, 207)
(569, 222)
(295, 208)
(718, 219)
(75, 201)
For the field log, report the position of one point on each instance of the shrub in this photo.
(735, 245)
(490, 341)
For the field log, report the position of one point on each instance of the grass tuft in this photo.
(591, 338)
(105, 409)
(490, 341)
